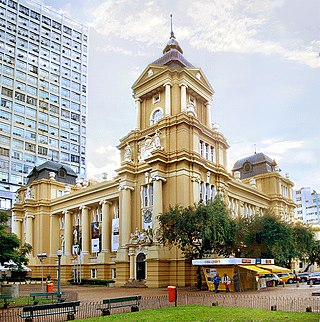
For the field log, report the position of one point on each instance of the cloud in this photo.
(280, 147)
(236, 26)
(106, 159)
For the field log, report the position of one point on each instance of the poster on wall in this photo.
(95, 237)
(211, 273)
(115, 235)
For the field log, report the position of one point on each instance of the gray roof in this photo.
(63, 173)
(55, 166)
(172, 55)
(253, 159)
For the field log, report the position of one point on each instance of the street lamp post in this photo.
(59, 254)
(41, 257)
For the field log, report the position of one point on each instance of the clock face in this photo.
(147, 216)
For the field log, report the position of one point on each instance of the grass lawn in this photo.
(208, 314)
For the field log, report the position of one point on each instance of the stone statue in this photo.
(156, 139)
(127, 153)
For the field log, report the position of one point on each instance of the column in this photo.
(67, 232)
(125, 213)
(183, 89)
(196, 188)
(85, 228)
(208, 106)
(106, 226)
(29, 229)
(167, 98)
(54, 234)
(138, 113)
(18, 227)
(157, 203)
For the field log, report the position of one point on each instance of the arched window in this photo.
(156, 116)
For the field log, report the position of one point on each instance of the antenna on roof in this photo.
(255, 149)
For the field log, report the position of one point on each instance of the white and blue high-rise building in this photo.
(43, 78)
(308, 205)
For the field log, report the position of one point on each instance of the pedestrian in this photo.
(236, 280)
(226, 280)
(216, 282)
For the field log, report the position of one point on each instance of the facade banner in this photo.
(76, 240)
(95, 245)
(95, 237)
(115, 235)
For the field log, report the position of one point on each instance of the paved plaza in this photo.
(98, 293)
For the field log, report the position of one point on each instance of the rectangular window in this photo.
(201, 148)
(42, 150)
(30, 135)
(5, 127)
(30, 147)
(7, 92)
(75, 158)
(4, 152)
(93, 273)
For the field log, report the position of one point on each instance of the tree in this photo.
(10, 245)
(198, 231)
(314, 254)
(269, 236)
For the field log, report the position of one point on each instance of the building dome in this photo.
(172, 44)
(62, 172)
(253, 165)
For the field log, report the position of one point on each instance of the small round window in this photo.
(156, 116)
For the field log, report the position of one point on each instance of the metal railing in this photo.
(91, 309)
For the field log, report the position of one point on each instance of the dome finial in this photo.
(172, 43)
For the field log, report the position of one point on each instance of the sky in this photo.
(261, 57)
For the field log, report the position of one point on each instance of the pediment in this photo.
(198, 74)
(150, 72)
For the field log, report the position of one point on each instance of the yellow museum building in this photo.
(174, 156)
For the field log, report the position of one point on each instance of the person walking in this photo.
(236, 280)
(216, 282)
(226, 280)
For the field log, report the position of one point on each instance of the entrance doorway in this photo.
(141, 267)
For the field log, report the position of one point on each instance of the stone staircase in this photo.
(136, 284)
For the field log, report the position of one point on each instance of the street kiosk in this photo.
(246, 270)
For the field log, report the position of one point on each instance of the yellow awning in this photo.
(275, 268)
(254, 268)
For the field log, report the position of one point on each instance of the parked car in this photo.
(272, 279)
(288, 278)
(313, 278)
(303, 276)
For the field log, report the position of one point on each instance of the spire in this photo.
(172, 43)
(171, 34)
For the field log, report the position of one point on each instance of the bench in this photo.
(6, 299)
(46, 295)
(129, 301)
(31, 311)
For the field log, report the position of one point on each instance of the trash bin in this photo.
(172, 294)
(49, 287)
